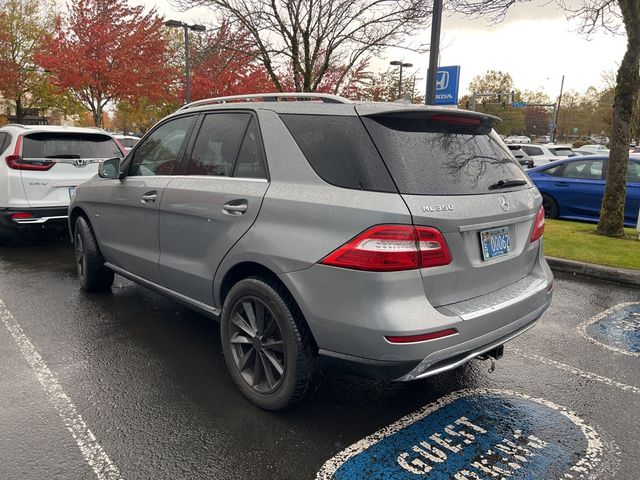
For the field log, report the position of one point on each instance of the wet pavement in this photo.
(131, 385)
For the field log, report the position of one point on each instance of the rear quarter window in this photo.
(60, 144)
(340, 151)
(428, 158)
(5, 140)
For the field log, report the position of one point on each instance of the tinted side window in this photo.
(340, 151)
(584, 169)
(4, 141)
(633, 174)
(160, 153)
(250, 160)
(533, 151)
(554, 171)
(216, 149)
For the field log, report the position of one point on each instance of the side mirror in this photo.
(110, 168)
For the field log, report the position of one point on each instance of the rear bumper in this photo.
(350, 313)
(45, 217)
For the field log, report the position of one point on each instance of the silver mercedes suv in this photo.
(389, 240)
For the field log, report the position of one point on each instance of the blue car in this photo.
(573, 188)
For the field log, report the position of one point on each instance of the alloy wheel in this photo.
(80, 258)
(257, 345)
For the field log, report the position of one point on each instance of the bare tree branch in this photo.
(309, 38)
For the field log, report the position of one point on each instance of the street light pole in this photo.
(557, 111)
(434, 51)
(401, 65)
(186, 27)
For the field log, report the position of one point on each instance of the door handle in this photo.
(561, 184)
(149, 197)
(235, 207)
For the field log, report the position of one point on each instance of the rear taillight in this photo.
(387, 248)
(538, 226)
(16, 161)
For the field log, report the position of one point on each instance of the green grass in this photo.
(578, 241)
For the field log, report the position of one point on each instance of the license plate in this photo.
(72, 191)
(495, 242)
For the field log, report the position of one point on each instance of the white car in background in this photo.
(595, 149)
(40, 167)
(546, 153)
(127, 141)
(517, 139)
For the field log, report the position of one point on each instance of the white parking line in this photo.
(582, 328)
(91, 450)
(576, 371)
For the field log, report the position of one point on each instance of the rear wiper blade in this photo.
(507, 184)
(63, 155)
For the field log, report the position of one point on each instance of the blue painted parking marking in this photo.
(475, 434)
(617, 329)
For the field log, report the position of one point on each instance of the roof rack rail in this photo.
(14, 125)
(270, 97)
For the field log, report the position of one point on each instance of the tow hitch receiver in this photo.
(492, 356)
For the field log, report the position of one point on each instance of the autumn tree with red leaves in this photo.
(224, 63)
(105, 51)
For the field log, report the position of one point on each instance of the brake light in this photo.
(538, 226)
(422, 337)
(121, 147)
(455, 120)
(16, 162)
(387, 248)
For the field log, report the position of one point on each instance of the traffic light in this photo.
(504, 105)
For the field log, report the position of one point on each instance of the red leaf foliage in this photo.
(225, 64)
(108, 50)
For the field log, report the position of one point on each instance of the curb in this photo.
(617, 275)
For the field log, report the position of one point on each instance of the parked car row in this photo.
(573, 188)
(542, 154)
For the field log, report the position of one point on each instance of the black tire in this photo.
(550, 206)
(92, 274)
(278, 323)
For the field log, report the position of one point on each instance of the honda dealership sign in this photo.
(447, 84)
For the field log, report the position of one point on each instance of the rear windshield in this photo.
(129, 142)
(70, 145)
(340, 151)
(426, 158)
(562, 152)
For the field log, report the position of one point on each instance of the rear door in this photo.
(75, 158)
(450, 170)
(206, 210)
(580, 187)
(127, 210)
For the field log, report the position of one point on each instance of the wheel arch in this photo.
(73, 217)
(546, 193)
(248, 269)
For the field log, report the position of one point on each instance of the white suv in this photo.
(40, 167)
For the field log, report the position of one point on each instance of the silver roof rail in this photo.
(270, 97)
(14, 125)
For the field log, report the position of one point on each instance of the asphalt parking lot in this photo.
(132, 385)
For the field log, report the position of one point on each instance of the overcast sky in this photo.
(535, 43)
